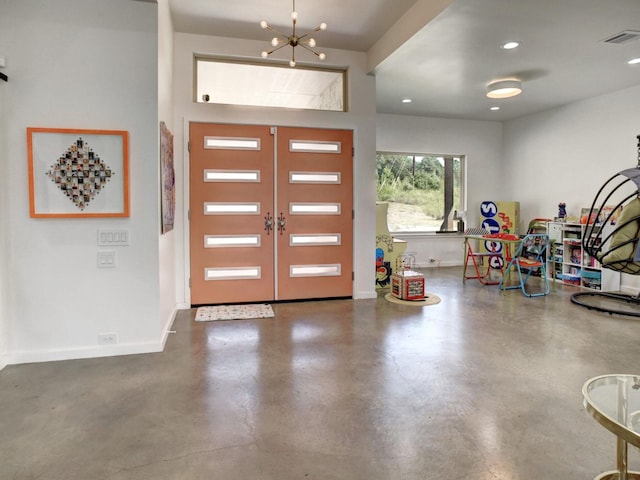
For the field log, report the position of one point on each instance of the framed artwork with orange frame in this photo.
(75, 173)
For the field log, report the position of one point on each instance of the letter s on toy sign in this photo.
(488, 209)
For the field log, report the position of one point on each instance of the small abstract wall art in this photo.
(78, 173)
(168, 192)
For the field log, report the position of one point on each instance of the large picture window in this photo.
(425, 192)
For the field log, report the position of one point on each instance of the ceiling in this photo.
(445, 66)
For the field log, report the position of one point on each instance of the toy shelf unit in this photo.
(571, 265)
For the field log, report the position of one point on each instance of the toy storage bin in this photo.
(570, 278)
(407, 285)
(591, 279)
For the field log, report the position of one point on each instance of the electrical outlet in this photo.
(107, 339)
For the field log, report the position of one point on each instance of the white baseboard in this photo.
(630, 291)
(84, 352)
(96, 351)
(365, 294)
(443, 263)
(167, 328)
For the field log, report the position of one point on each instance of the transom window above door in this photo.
(223, 81)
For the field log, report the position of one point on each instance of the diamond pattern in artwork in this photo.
(80, 173)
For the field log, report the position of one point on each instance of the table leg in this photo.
(622, 461)
(622, 472)
(464, 260)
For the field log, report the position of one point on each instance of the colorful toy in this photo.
(562, 210)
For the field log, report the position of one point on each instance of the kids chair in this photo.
(529, 259)
(482, 262)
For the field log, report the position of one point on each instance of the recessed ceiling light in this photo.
(494, 108)
(510, 45)
(406, 100)
(633, 61)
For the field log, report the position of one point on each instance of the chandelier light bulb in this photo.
(312, 42)
(264, 24)
(294, 16)
(323, 26)
(275, 42)
(292, 63)
(265, 54)
(322, 56)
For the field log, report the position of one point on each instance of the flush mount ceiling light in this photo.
(293, 40)
(504, 89)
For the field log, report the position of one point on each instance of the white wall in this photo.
(566, 154)
(360, 118)
(480, 142)
(166, 243)
(79, 64)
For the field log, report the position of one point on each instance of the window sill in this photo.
(406, 235)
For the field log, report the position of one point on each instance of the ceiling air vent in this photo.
(623, 37)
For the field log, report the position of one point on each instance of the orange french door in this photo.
(231, 192)
(314, 195)
(270, 223)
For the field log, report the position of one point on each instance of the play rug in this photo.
(429, 299)
(233, 312)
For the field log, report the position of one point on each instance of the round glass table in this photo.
(614, 401)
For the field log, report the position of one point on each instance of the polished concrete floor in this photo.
(483, 386)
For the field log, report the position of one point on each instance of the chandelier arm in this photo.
(317, 29)
(277, 48)
(306, 47)
(286, 37)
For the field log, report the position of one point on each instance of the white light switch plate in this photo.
(107, 259)
(113, 238)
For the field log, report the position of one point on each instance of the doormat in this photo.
(233, 312)
(429, 299)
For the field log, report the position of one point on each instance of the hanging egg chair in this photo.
(611, 236)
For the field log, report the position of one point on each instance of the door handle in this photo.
(281, 223)
(268, 223)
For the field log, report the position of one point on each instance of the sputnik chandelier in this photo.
(293, 40)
